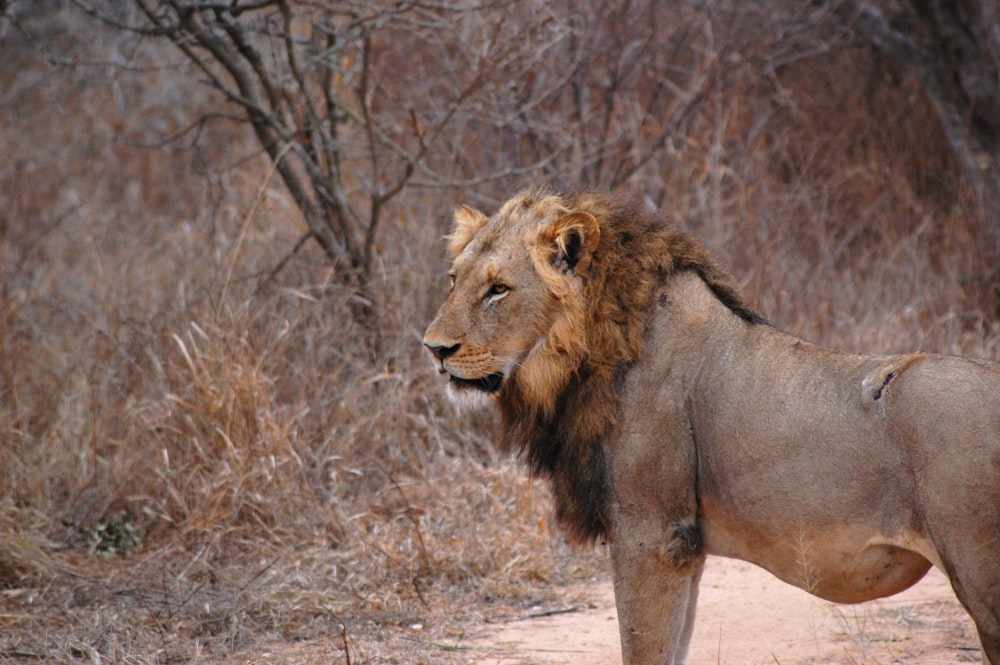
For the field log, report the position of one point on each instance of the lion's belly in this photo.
(843, 564)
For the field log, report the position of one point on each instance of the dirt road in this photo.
(748, 617)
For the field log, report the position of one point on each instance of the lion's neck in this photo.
(561, 428)
(567, 447)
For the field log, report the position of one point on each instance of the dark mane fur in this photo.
(638, 252)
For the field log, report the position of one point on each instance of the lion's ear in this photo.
(574, 237)
(468, 221)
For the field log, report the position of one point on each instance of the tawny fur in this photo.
(672, 423)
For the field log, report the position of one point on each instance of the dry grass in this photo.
(280, 480)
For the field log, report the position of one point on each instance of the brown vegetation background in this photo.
(218, 431)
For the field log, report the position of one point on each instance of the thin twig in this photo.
(412, 514)
(543, 613)
(246, 226)
(343, 635)
(272, 274)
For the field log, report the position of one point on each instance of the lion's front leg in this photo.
(656, 575)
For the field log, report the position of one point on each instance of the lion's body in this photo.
(675, 424)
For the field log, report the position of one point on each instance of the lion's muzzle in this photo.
(489, 383)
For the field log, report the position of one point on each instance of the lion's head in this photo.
(514, 318)
(547, 310)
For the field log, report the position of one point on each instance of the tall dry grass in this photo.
(202, 453)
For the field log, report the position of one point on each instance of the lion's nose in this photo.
(441, 351)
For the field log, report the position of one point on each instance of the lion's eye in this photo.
(451, 281)
(496, 291)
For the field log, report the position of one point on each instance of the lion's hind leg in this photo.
(983, 604)
(976, 582)
(968, 543)
(945, 413)
(991, 642)
(967, 538)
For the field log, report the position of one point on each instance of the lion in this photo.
(673, 422)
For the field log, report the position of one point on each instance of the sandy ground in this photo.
(747, 616)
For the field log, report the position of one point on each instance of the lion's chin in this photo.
(474, 393)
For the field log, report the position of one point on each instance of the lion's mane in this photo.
(562, 422)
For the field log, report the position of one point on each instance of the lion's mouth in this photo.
(487, 384)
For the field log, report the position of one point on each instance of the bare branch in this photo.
(871, 23)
